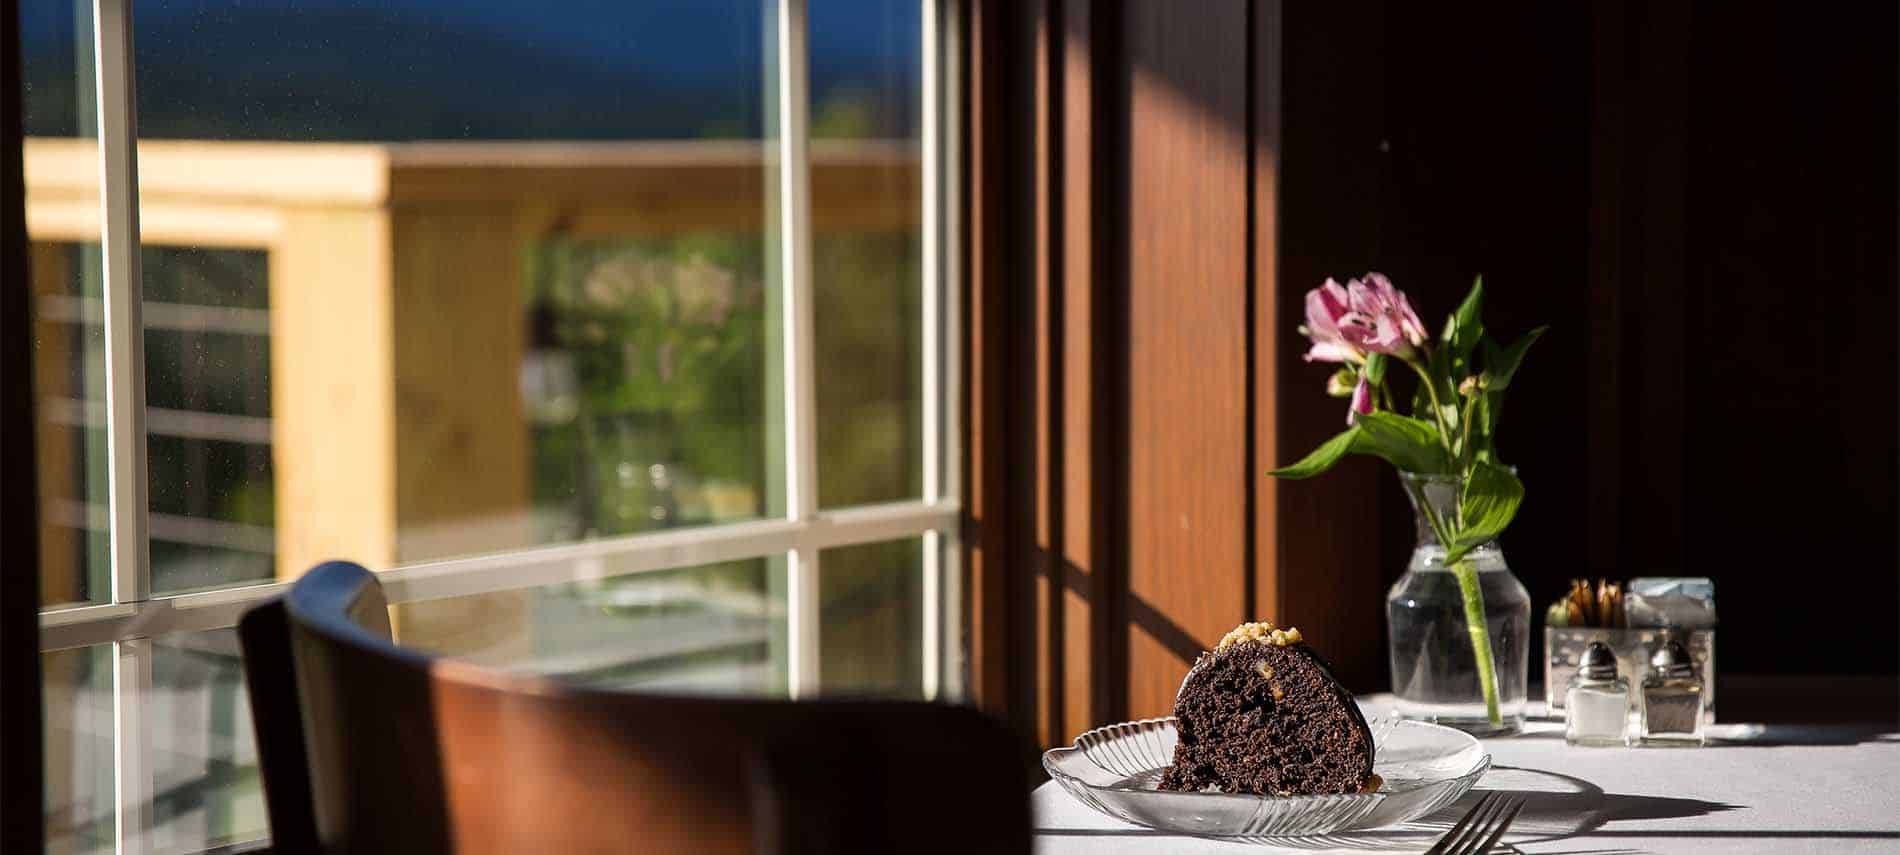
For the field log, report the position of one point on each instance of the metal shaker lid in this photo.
(1671, 659)
(1598, 662)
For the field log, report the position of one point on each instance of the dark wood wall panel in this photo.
(1263, 262)
(1329, 533)
(989, 397)
(1790, 464)
(1093, 644)
(1489, 173)
(1638, 55)
(1046, 558)
(1699, 199)
(1187, 333)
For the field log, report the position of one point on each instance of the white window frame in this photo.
(134, 617)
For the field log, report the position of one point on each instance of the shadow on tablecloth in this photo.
(1556, 806)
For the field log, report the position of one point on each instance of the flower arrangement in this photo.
(1365, 327)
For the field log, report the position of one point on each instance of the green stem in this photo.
(1467, 576)
(1438, 412)
(1473, 597)
(1464, 444)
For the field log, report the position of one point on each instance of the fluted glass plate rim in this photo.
(1327, 812)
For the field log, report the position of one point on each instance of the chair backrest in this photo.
(369, 747)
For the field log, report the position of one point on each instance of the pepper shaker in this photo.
(1672, 696)
(1597, 703)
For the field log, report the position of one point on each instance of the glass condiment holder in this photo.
(1597, 701)
(1672, 696)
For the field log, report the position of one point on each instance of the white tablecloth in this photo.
(1759, 789)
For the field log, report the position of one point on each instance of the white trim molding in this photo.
(85, 625)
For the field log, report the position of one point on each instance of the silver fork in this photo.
(1481, 827)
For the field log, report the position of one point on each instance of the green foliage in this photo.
(1453, 426)
(1501, 365)
(1486, 505)
(1465, 327)
(672, 352)
(1375, 368)
(666, 340)
(846, 113)
(1322, 458)
(1341, 383)
(1408, 443)
(1500, 368)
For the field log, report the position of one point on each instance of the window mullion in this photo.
(801, 446)
(125, 356)
(131, 745)
(949, 70)
(125, 415)
(932, 345)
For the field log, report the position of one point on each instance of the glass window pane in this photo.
(437, 280)
(644, 383)
(78, 746)
(866, 203)
(205, 786)
(871, 600)
(62, 178)
(710, 628)
(207, 422)
(523, 302)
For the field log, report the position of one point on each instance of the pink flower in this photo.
(1361, 401)
(1379, 319)
(1326, 308)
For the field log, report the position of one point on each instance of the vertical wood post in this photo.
(333, 389)
(461, 437)
(397, 428)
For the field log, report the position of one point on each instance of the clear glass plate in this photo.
(1115, 770)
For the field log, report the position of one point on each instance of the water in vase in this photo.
(1434, 671)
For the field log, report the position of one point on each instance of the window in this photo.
(619, 338)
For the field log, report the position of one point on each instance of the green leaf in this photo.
(1465, 327)
(1484, 427)
(1438, 366)
(1408, 443)
(1485, 508)
(1375, 368)
(1321, 458)
(1501, 365)
(1493, 408)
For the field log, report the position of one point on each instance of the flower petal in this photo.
(1361, 401)
(1325, 307)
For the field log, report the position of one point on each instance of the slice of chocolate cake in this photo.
(1263, 715)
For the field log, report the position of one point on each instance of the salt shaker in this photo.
(1596, 704)
(1672, 696)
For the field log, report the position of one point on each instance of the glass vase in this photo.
(1438, 672)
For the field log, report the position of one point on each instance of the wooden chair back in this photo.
(366, 746)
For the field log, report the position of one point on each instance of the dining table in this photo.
(1752, 788)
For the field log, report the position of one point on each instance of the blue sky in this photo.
(400, 69)
(679, 37)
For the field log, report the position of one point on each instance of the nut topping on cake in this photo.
(1261, 632)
